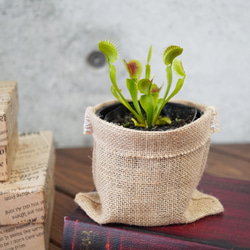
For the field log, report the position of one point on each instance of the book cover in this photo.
(23, 196)
(229, 230)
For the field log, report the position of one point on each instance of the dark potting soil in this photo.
(179, 114)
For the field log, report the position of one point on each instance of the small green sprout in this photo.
(149, 99)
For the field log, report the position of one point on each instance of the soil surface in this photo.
(179, 114)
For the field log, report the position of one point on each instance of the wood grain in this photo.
(64, 204)
(75, 173)
(236, 150)
(54, 247)
(229, 161)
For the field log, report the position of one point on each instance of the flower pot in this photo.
(149, 178)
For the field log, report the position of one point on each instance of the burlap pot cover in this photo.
(149, 178)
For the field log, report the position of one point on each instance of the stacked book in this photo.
(228, 230)
(26, 179)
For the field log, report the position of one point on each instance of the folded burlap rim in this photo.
(99, 206)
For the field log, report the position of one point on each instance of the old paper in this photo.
(23, 196)
(7, 154)
(28, 236)
(8, 110)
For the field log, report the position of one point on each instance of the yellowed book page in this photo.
(8, 110)
(7, 154)
(22, 197)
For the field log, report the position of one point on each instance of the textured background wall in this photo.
(44, 46)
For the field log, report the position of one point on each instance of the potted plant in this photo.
(149, 154)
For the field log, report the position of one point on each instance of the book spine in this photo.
(83, 235)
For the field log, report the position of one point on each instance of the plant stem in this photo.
(162, 104)
(147, 73)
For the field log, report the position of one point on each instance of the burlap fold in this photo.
(149, 178)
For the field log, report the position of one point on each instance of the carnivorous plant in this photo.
(149, 99)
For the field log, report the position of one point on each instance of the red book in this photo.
(229, 230)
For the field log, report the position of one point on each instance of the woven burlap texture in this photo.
(149, 178)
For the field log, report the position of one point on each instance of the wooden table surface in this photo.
(73, 174)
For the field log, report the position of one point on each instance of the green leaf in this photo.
(146, 104)
(134, 68)
(137, 124)
(163, 121)
(161, 102)
(169, 79)
(154, 94)
(148, 69)
(157, 109)
(144, 86)
(178, 87)
(116, 95)
(178, 67)
(149, 54)
(154, 98)
(120, 97)
(170, 53)
(112, 75)
(158, 105)
(147, 72)
(109, 50)
(133, 90)
(132, 87)
(169, 75)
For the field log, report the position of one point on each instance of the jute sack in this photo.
(149, 178)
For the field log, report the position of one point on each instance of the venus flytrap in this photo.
(110, 51)
(119, 149)
(169, 58)
(149, 99)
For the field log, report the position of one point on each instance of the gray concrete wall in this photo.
(44, 46)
